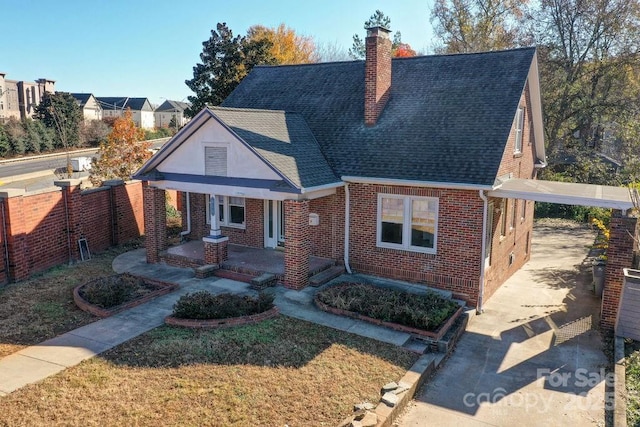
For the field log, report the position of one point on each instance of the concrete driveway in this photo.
(534, 357)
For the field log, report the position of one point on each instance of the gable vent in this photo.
(215, 161)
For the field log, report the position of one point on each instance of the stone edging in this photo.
(222, 323)
(84, 305)
(619, 385)
(436, 336)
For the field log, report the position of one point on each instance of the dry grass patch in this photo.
(42, 307)
(282, 371)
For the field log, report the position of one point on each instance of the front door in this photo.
(273, 223)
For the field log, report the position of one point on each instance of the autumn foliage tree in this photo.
(478, 25)
(124, 151)
(286, 47)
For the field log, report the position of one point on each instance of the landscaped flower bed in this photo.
(427, 314)
(107, 296)
(206, 310)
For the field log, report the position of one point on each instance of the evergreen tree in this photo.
(61, 112)
(5, 146)
(226, 60)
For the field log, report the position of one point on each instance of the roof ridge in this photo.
(250, 110)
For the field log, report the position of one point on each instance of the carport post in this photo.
(619, 256)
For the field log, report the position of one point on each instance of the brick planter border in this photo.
(436, 336)
(222, 323)
(163, 288)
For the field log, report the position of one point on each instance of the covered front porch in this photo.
(243, 262)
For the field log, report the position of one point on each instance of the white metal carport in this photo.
(567, 193)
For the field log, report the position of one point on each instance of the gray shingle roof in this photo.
(122, 102)
(82, 98)
(283, 140)
(447, 120)
(169, 105)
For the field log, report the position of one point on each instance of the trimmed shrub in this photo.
(112, 291)
(422, 311)
(205, 305)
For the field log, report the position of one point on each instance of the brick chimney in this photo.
(377, 73)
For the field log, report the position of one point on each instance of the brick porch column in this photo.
(155, 223)
(73, 200)
(215, 249)
(15, 226)
(297, 247)
(619, 256)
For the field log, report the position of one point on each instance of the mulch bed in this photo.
(147, 290)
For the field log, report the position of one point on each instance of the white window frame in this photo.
(224, 203)
(406, 224)
(519, 129)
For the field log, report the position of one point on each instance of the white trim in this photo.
(535, 98)
(412, 183)
(246, 192)
(226, 221)
(406, 223)
(322, 187)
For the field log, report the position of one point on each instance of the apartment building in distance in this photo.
(19, 98)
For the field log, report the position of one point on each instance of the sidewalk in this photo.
(35, 363)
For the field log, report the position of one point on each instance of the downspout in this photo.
(188, 230)
(346, 228)
(485, 201)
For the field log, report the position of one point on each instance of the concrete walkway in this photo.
(35, 363)
(534, 357)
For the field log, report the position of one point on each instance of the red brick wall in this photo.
(40, 226)
(520, 165)
(517, 239)
(327, 238)
(199, 227)
(129, 211)
(97, 217)
(455, 266)
(4, 278)
(253, 233)
(45, 226)
(619, 256)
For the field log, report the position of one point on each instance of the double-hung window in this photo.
(517, 148)
(407, 222)
(231, 211)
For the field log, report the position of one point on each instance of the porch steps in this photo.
(234, 275)
(263, 281)
(325, 275)
(206, 270)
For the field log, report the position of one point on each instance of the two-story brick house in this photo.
(382, 165)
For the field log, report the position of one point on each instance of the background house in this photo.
(141, 109)
(91, 109)
(171, 110)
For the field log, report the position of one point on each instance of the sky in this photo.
(148, 48)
